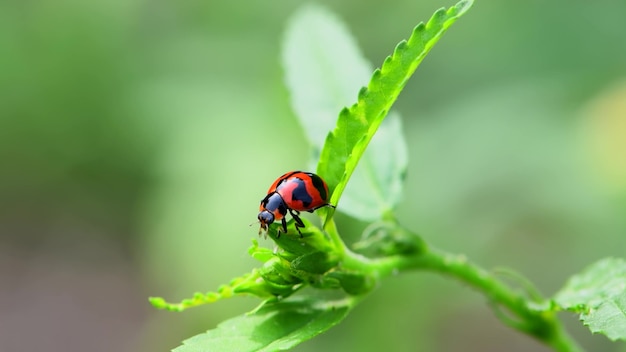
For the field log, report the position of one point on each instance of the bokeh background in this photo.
(137, 138)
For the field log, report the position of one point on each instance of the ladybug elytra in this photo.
(292, 192)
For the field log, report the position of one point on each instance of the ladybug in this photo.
(292, 192)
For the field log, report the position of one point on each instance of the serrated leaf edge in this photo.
(443, 18)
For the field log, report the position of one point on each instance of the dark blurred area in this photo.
(137, 138)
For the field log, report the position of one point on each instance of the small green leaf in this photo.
(261, 254)
(387, 239)
(354, 283)
(599, 294)
(253, 283)
(609, 318)
(276, 326)
(276, 271)
(356, 126)
(315, 263)
(312, 240)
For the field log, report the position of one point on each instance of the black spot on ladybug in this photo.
(300, 193)
(318, 183)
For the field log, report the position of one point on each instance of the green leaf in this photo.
(324, 67)
(599, 294)
(609, 318)
(388, 239)
(313, 239)
(356, 126)
(248, 284)
(315, 263)
(276, 326)
(354, 283)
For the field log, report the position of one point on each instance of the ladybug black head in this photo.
(265, 218)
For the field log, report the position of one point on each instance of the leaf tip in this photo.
(399, 48)
(376, 75)
(363, 93)
(345, 113)
(462, 6)
(418, 29)
(157, 302)
(440, 14)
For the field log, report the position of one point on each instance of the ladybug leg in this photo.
(296, 217)
(283, 228)
(321, 206)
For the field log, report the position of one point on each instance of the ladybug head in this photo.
(265, 218)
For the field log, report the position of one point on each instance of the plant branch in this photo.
(541, 324)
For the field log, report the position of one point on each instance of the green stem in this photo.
(331, 229)
(541, 324)
(349, 259)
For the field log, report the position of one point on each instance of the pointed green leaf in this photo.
(599, 294)
(250, 283)
(276, 326)
(356, 126)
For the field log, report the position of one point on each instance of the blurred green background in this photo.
(137, 138)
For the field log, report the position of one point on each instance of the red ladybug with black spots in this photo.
(292, 192)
